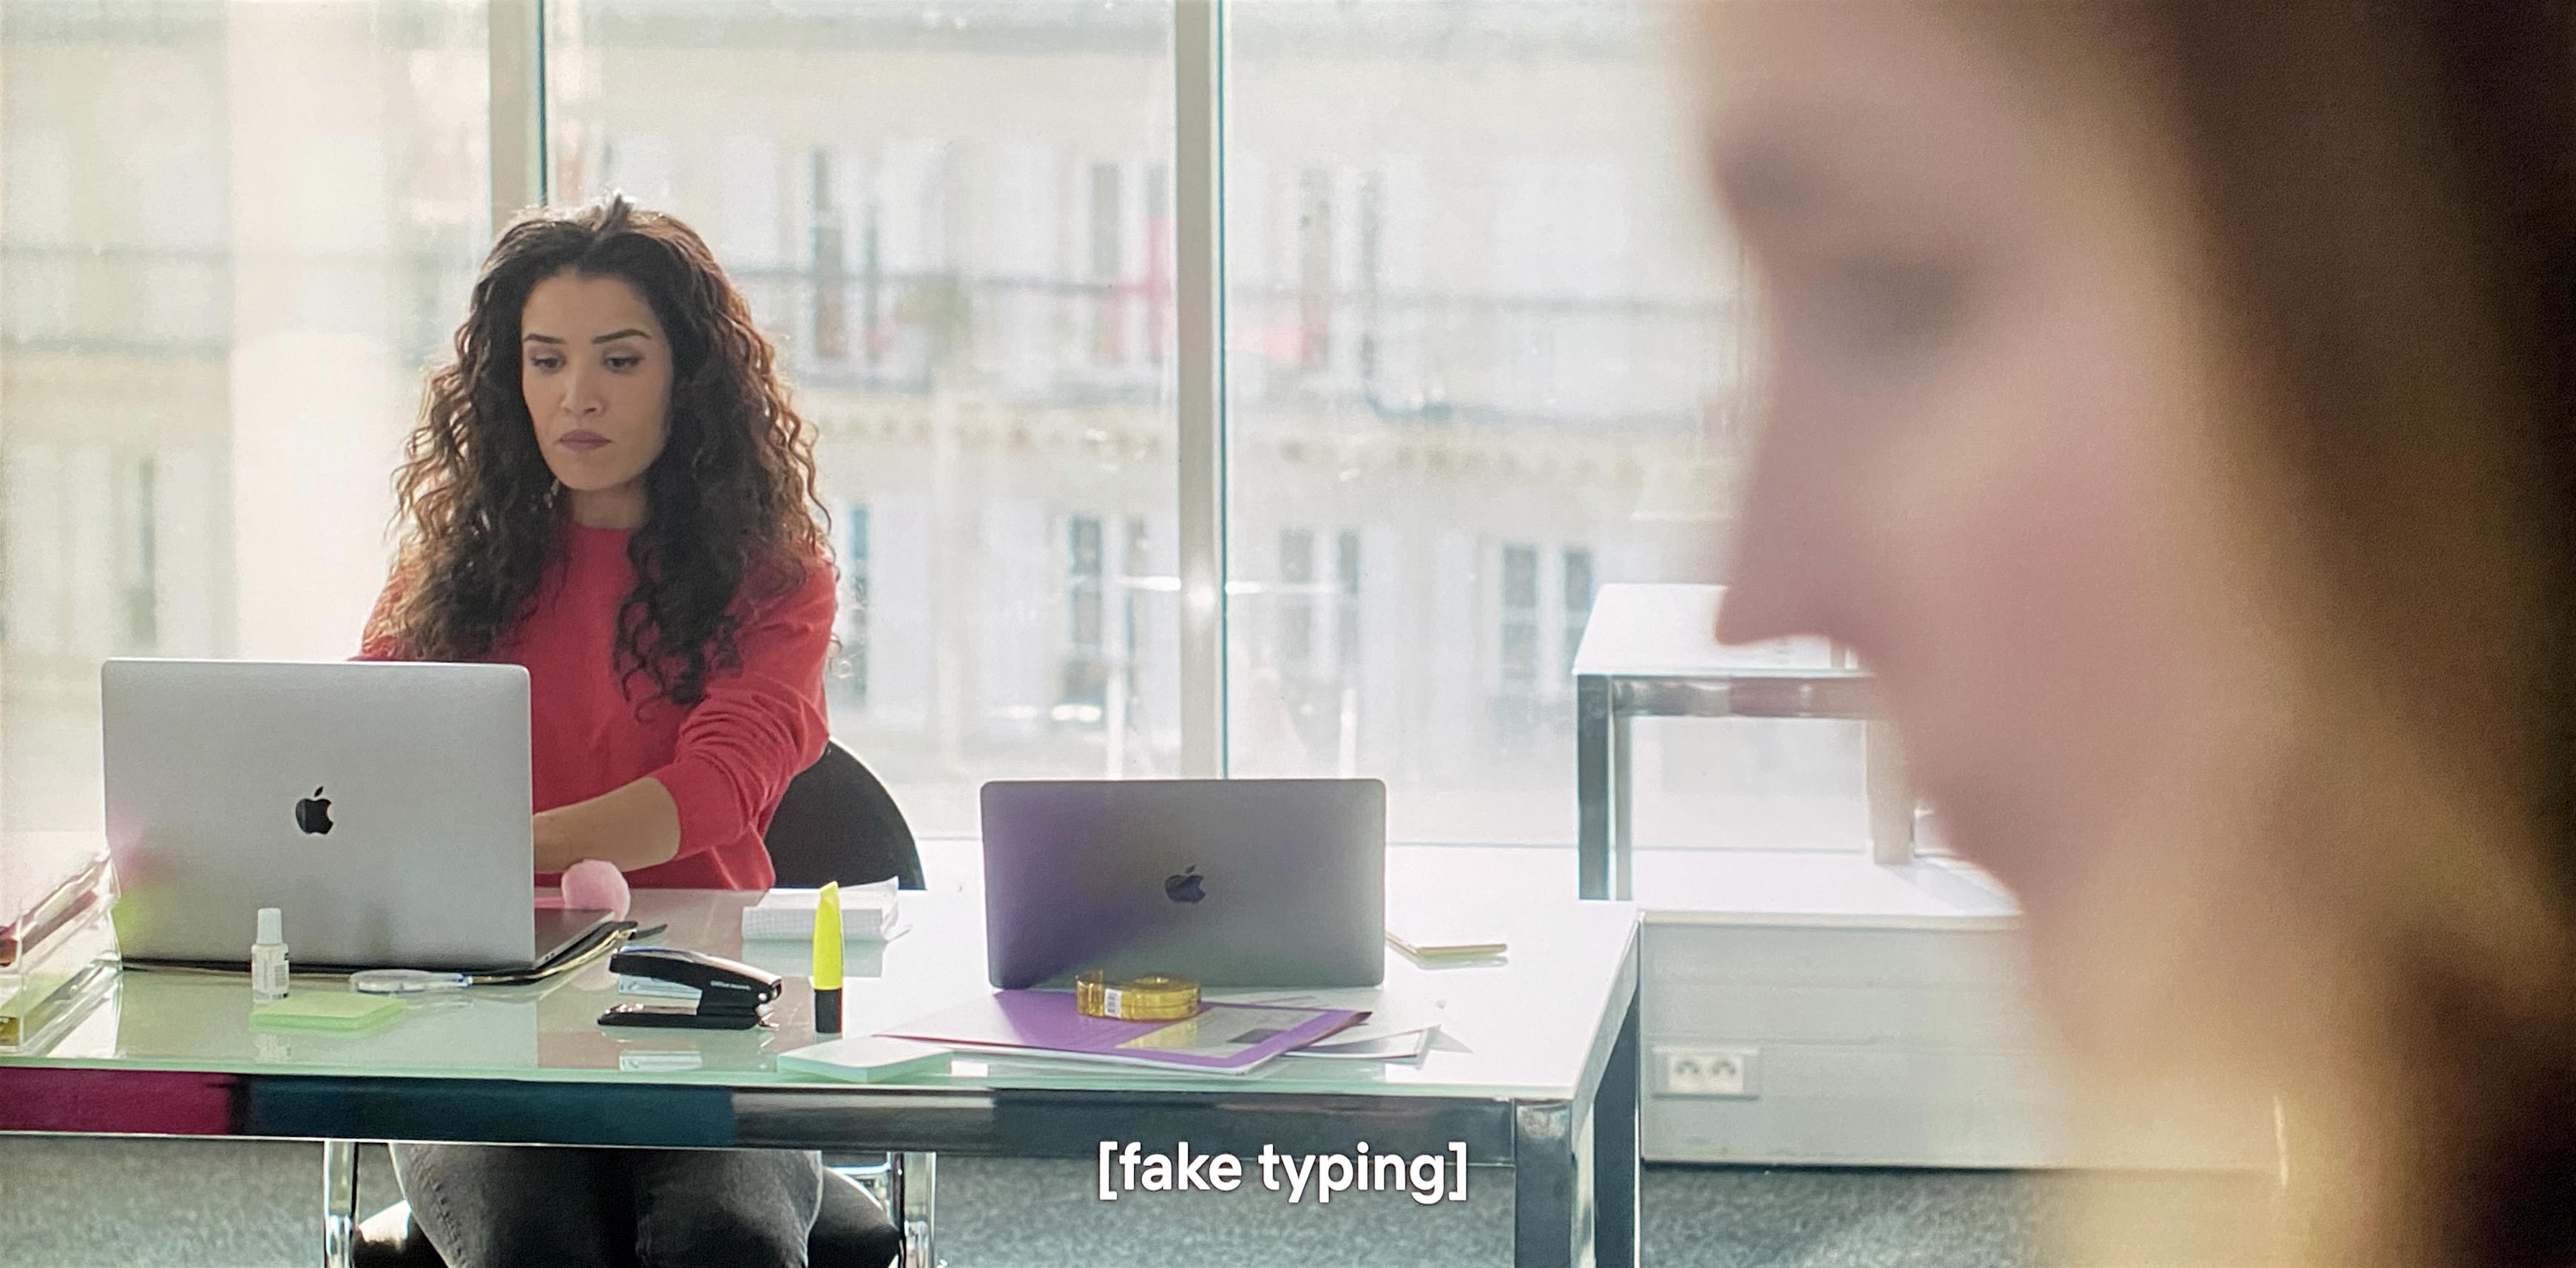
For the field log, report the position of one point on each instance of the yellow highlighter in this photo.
(827, 960)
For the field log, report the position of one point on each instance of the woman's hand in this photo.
(634, 826)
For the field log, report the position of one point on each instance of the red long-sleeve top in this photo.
(725, 759)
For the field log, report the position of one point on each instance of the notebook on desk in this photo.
(1220, 1039)
(383, 807)
(1432, 943)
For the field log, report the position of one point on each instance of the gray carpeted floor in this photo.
(70, 1203)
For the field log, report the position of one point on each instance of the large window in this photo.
(231, 235)
(955, 219)
(1478, 341)
(1481, 357)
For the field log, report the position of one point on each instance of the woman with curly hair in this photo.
(609, 487)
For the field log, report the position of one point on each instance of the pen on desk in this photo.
(827, 960)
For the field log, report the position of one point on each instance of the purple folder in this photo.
(1222, 1039)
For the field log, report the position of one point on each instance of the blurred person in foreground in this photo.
(2171, 403)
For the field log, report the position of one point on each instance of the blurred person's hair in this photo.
(2384, 200)
(731, 509)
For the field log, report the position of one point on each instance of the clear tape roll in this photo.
(1152, 997)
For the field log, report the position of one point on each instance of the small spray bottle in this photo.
(268, 958)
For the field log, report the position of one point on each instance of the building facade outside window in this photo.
(231, 237)
(848, 682)
(1480, 359)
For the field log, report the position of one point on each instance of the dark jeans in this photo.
(508, 1206)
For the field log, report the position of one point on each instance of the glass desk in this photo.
(1539, 1071)
(1649, 651)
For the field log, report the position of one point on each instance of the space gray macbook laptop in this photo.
(1235, 882)
(384, 808)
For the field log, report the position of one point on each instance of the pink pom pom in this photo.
(596, 885)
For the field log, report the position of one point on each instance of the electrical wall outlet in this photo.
(1705, 1072)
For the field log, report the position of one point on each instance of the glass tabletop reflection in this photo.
(1520, 1026)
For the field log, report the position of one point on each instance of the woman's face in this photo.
(1990, 462)
(596, 370)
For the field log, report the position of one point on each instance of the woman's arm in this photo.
(635, 826)
(758, 726)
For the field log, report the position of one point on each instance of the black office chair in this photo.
(835, 822)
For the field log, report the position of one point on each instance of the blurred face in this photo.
(1991, 461)
(596, 371)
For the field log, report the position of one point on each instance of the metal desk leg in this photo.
(1592, 760)
(1551, 1209)
(1891, 795)
(916, 1193)
(1623, 805)
(339, 1203)
(1614, 1151)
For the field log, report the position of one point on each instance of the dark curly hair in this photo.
(731, 509)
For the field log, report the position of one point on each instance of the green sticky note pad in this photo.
(326, 1010)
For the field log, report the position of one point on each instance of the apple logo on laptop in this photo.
(1185, 886)
(313, 814)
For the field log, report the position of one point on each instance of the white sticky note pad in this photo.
(865, 1058)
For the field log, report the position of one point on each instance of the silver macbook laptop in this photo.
(1235, 882)
(384, 808)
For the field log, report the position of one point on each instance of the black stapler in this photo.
(730, 993)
